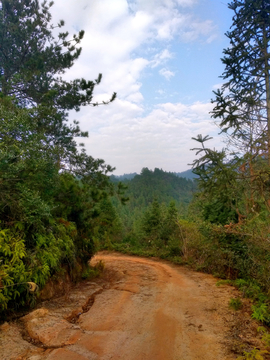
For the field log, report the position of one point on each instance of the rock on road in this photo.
(144, 310)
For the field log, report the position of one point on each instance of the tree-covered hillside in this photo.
(151, 187)
(158, 185)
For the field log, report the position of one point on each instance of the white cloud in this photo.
(193, 29)
(160, 92)
(115, 31)
(117, 34)
(130, 140)
(152, 5)
(187, 3)
(166, 73)
(161, 58)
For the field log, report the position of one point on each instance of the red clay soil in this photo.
(139, 309)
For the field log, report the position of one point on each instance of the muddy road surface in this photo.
(140, 309)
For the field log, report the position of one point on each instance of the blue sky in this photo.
(162, 57)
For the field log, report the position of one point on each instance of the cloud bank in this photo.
(127, 41)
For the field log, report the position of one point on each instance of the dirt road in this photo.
(140, 309)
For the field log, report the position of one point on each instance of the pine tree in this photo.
(169, 225)
(243, 103)
(220, 192)
(152, 220)
(32, 62)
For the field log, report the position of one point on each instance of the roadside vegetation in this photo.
(53, 196)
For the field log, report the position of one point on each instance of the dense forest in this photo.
(155, 191)
(159, 185)
(59, 205)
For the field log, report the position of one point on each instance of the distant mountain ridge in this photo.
(123, 177)
(188, 174)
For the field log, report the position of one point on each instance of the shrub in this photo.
(236, 304)
(261, 313)
(254, 354)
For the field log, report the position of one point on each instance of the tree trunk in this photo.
(267, 87)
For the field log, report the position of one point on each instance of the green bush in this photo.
(254, 354)
(261, 313)
(13, 272)
(236, 304)
(37, 263)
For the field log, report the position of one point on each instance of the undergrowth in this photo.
(254, 354)
(92, 272)
(236, 304)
